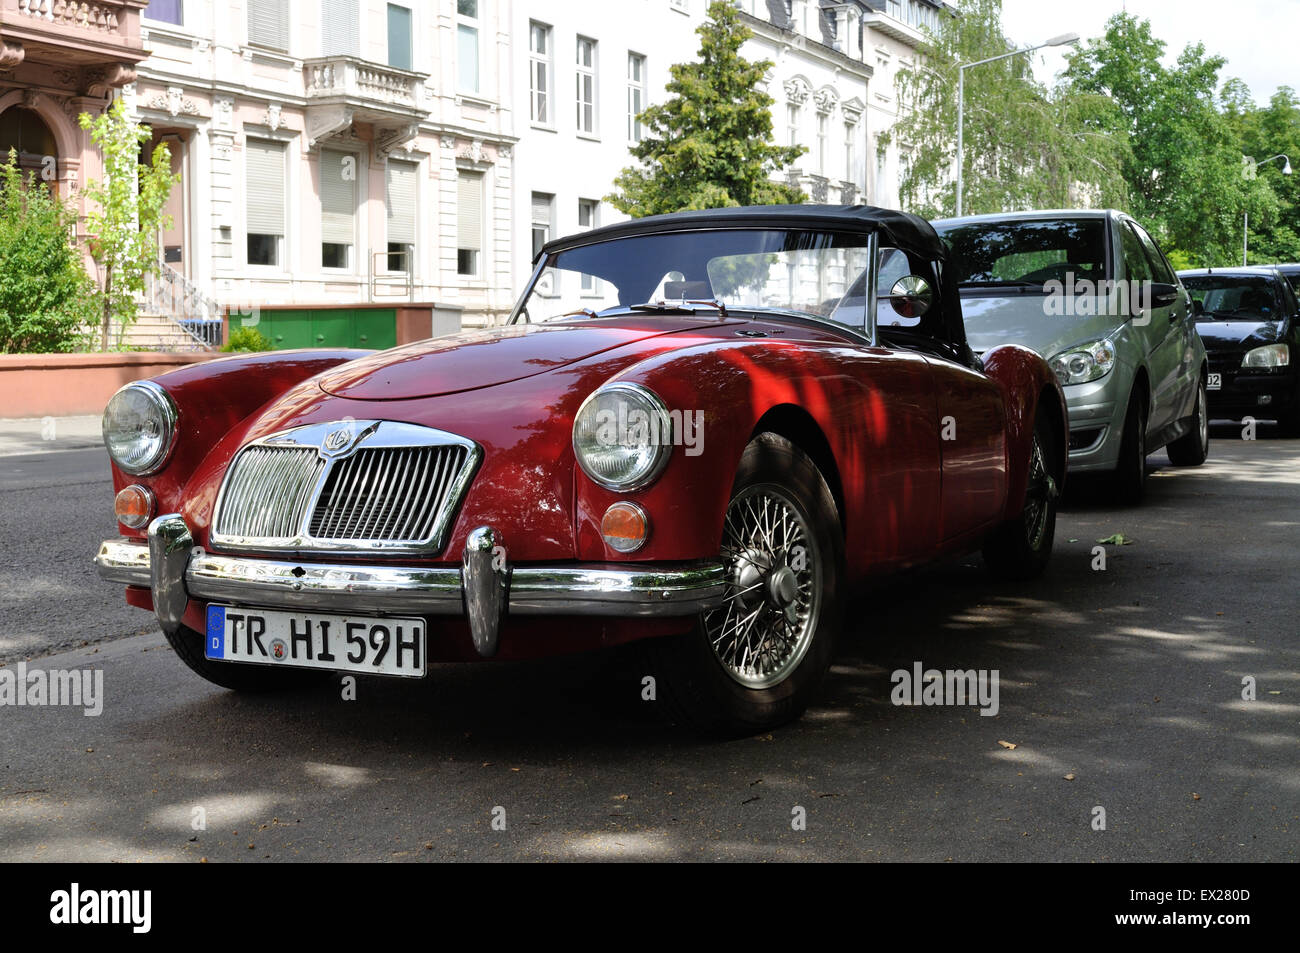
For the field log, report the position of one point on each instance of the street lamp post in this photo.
(1062, 40)
(1245, 216)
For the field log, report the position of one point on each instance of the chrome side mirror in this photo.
(911, 296)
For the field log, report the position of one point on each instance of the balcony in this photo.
(100, 38)
(892, 27)
(341, 89)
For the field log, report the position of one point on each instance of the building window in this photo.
(268, 24)
(588, 218)
(539, 73)
(543, 215)
(896, 9)
(792, 122)
(469, 222)
(340, 27)
(399, 201)
(338, 208)
(823, 122)
(165, 11)
(850, 150)
(635, 95)
(586, 88)
(399, 36)
(265, 193)
(467, 49)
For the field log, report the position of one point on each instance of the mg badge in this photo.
(278, 649)
(337, 440)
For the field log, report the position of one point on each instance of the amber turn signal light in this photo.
(134, 507)
(625, 527)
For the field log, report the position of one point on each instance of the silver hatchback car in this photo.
(1092, 293)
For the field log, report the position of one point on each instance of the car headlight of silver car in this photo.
(140, 427)
(623, 436)
(1268, 357)
(1084, 362)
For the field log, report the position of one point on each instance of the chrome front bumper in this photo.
(483, 588)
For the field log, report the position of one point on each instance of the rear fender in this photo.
(1027, 381)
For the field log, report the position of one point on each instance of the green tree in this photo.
(1262, 133)
(710, 144)
(1025, 146)
(1184, 168)
(124, 231)
(46, 297)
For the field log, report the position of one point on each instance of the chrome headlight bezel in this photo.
(163, 414)
(1096, 359)
(1280, 355)
(648, 401)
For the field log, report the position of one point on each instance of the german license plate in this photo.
(370, 646)
(1214, 382)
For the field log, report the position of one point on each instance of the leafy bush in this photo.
(46, 297)
(246, 339)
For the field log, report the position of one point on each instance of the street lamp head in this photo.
(1286, 169)
(1063, 39)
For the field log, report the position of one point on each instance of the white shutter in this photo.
(541, 209)
(469, 210)
(400, 178)
(340, 28)
(338, 198)
(265, 190)
(268, 23)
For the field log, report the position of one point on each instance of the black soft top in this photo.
(899, 229)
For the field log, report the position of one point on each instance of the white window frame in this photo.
(541, 64)
(589, 285)
(353, 245)
(412, 33)
(465, 23)
(793, 116)
(479, 249)
(823, 134)
(636, 96)
(547, 226)
(586, 72)
(850, 149)
(282, 244)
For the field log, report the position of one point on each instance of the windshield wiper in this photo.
(684, 306)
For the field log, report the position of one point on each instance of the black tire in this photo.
(1191, 449)
(1020, 548)
(695, 688)
(240, 676)
(1288, 423)
(1129, 480)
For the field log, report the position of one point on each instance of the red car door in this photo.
(972, 441)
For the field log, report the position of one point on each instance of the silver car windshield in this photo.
(816, 273)
(1028, 254)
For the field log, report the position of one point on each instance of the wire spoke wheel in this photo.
(763, 630)
(1039, 497)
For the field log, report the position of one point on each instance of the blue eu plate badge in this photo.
(216, 641)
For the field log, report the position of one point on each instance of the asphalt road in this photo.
(1119, 689)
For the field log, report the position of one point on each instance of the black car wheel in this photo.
(1130, 477)
(1191, 449)
(1020, 548)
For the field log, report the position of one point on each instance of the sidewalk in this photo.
(49, 434)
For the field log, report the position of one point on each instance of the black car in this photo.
(1292, 272)
(1249, 320)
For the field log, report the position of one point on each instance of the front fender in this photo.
(212, 398)
(1027, 381)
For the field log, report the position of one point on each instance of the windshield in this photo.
(1027, 254)
(820, 274)
(1229, 298)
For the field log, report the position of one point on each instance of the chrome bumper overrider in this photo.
(483, 588)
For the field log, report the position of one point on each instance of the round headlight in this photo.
(623, 436)
(139, 427)
(1087, 362)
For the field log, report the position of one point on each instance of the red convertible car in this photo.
(698, 431)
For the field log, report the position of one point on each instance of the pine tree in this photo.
(710, 144)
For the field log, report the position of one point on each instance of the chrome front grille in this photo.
(267, 491)
(352, 486)
(390, 495)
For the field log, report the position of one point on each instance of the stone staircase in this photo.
(159, 332)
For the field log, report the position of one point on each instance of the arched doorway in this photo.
(23, 131)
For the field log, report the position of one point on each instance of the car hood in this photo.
(1033, 320)
(472, 360)
(1233, 335)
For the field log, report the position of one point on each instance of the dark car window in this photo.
(1033, 252)
(1234, 297)
(1137, 266)
(1294, 279)
(1160, 268)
